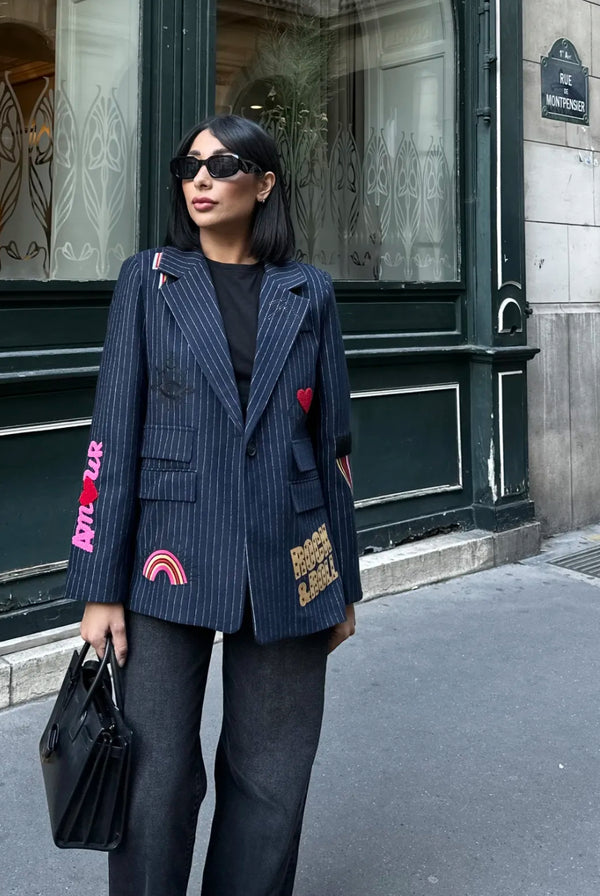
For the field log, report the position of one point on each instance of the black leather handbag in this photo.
(85, 754)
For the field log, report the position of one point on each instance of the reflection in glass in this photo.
(68, 118)
(26, 122)
(361, 100)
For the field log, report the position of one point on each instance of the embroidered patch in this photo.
(164, 561)
(305, 397)
(170, 381)
(343, 445)
(89, 493)
(84, 533)
(314, 567)
(343, 465)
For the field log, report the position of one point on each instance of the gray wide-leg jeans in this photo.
(272, 710)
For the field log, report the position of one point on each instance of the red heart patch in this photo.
(305, 397)
(89, 493)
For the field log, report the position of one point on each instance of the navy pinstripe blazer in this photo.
(184, 506)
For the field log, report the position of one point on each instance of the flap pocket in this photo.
(304, 454)
(167, 485)
(168, 443)
(306, 494)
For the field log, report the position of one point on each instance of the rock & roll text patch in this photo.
(314, 567)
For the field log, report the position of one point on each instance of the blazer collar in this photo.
(190, 294)
(281, 310)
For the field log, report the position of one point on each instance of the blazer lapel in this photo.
(279, 317)
(192, 300)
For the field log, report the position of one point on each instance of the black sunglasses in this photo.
(220, 165)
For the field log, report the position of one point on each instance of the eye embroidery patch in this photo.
(164, 561)
(84, 532)
(305, 397)
(343, 465)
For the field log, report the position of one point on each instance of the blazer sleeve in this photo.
(104, 537)
(333, 444)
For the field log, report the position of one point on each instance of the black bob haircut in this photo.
(272, 232)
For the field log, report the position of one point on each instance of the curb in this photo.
(34, 666)
(444, 557)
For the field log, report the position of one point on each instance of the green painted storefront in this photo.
(437, 355)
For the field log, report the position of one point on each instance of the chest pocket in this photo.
(166, 472)
(304, 455)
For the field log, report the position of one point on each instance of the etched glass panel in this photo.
(361, 100)
(68, 153)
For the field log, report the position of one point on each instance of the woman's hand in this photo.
(343, 630)
(100, 619)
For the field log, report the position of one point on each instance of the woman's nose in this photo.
(203, 178)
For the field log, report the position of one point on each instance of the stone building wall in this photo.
(562, 232)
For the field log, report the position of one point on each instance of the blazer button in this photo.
(251, 449)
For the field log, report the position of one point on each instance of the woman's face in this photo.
(223, 204)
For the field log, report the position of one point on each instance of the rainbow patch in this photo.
(164, 561)
(343, 465)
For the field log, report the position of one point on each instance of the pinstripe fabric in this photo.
(181, 473)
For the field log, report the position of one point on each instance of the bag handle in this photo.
(109, 658)
(116, 674)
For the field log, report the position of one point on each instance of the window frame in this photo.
(423, 293)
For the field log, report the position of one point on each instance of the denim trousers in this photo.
(273, 698)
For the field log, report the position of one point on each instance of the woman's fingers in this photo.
(119, 638)
(343, 630)
(98, 621)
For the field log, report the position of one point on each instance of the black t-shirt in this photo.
(238, 288)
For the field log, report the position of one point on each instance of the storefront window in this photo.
(361, 100)
(68, 119)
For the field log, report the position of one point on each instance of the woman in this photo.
(217, 497)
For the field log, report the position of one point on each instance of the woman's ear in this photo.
(265, 185)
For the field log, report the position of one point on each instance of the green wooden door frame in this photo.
(177, 91)
(496, 251)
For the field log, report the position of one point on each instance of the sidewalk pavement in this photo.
(459, 756)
